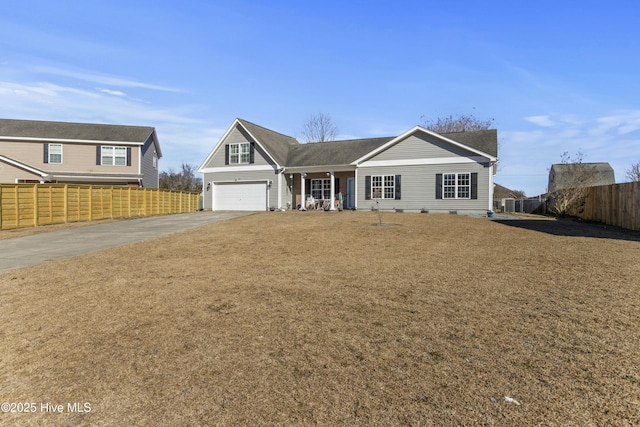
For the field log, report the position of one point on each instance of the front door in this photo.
(351, 193)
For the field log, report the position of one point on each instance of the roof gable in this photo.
(473, 141)
(277, 145)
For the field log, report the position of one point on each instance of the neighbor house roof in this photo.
(84, 132)
(564, 175)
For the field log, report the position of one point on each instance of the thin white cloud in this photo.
(544, 121)
(623, 122)
(103, 79)
(112, 92)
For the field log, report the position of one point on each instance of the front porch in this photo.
(329, 190)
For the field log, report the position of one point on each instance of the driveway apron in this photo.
(32, 250)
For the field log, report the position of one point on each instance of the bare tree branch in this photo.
(319, 128)
(458, 123)
(185, 180)
(633, 173)
(569, 197)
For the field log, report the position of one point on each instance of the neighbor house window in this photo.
(55, 153)
(456, 185)
(383, 187)
(321, 188)
(114, 156)
(239, 153)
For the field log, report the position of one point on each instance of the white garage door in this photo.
(240, 196)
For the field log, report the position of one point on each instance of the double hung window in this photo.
(114, 156)
(321, 188)
(383, 187)
(239, 153)
(55, 153)
(456, 185)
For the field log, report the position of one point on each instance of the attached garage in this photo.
(240, 196)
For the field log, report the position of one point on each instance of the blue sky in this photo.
(555, 76)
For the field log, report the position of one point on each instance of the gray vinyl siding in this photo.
(242, 176)
(418, 185)
(149, 173)
(236, 136)
(422, 146)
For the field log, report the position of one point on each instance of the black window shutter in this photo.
(46, 153)
(307, 187)
(438, 186)
(398, 187)
(98, 155)
(367, 187)
(252, 149)
(337, 185)
(128, 156)
(226, 154)
(474, 185)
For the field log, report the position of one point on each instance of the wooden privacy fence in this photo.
(617, 205)
(28, 205)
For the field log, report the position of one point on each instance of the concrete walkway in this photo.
(31, 250)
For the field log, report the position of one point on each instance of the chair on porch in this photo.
(311, 203)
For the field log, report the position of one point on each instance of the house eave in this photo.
(67, 141)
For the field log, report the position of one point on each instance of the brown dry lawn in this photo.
(324, 318)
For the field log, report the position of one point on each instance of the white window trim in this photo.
(384, 187)
(113, 156)
(456, 186)
(325, 188)
(240, 153)
(49, 153)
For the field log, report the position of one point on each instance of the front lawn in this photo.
(327, 318)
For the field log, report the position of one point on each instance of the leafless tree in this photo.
(633, 173)
(569, 195)
(186, 179)
(457, 123)
(319, 128)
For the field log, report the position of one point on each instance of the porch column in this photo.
(279, 190)
(332, 206)
(303, 201)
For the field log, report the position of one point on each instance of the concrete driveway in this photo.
(31, 250)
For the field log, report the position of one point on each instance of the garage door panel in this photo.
(240, 197)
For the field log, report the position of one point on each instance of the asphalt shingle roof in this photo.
(333, 153)
(79, 131)
(277, 144)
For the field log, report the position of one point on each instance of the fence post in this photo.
(35, 205)
(17, 206)
(66, 203)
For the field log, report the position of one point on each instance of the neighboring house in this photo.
(501, 192)
(78, 153)
(576, 175)
(254, 168)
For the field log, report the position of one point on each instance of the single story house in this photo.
(255, 168)
(33, 151)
